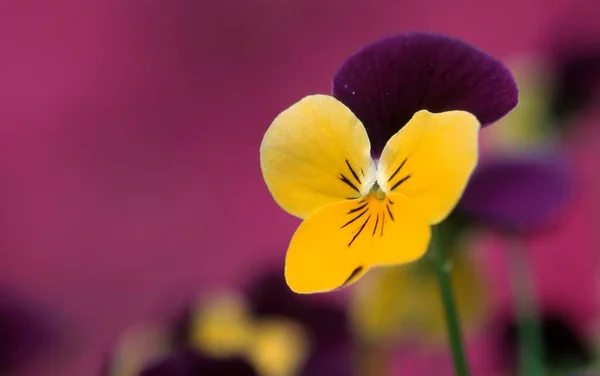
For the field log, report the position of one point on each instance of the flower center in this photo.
(376, 192)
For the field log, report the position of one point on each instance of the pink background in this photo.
(130, 132)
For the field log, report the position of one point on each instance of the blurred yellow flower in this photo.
(222, 327)
(403, 303)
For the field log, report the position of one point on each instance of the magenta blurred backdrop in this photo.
(130, 132)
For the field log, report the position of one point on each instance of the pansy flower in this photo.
(148, 350)
(372, 167)
(222, 326)
(249, 335)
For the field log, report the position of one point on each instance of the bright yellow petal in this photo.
(316, 153)
(279, 347)
(430, 160)
(339, 243)
(221, 326)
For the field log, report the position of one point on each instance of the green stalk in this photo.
(531, 347)
(443, 268)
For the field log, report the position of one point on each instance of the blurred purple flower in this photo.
(387, 82)
(517, 194)
(28, 331)
(327, 324)
(565, 348)
(191, 363)
(268, 298)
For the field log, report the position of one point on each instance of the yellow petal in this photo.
(339, 243)
(430, 160)
(316, 153)
(221, 326)
(279, 347)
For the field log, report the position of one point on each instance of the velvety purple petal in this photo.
(28, 330)
(564, 346)
(189, 363)
(386, 82)
(326, 322)
(517, 193)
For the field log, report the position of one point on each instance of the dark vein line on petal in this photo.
(391, 202)
(355, 218)
(354, 273)
(359, 230)
(353, 172)
(390, 212)
(348, 182)
(359, 208)
(382, 224)
(376, 224)
(400, 182)
(397, 170)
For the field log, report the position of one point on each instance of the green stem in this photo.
(443, 268)
(531, 347)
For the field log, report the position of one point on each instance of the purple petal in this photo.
(517, 193)
(189, 363)
(326, 322)
(28, 330)
(387, 82)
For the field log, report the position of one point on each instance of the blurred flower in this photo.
(28, 331)
(403, 303)
(565, 348)
(517, 193)
(223, 327)
(277, 332)
(317, 156)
